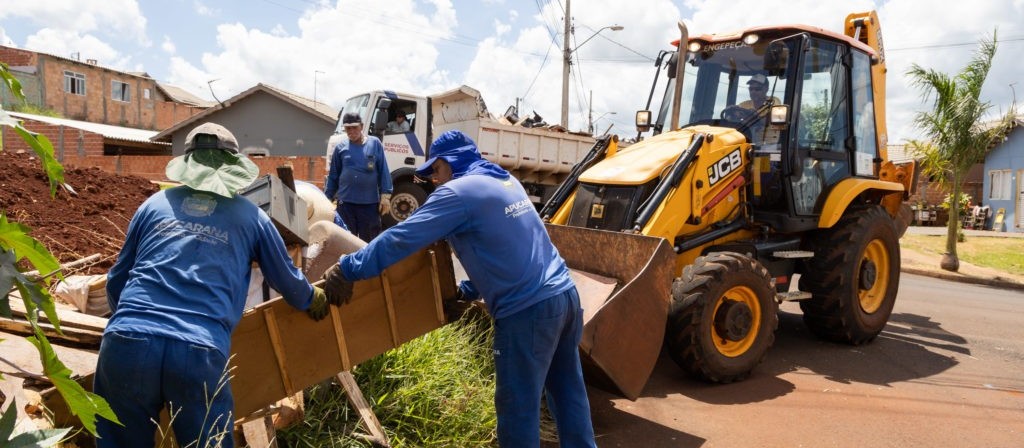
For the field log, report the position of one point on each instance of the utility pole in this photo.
(590, 113)
(566, 55)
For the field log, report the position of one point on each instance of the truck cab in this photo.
(404, 151)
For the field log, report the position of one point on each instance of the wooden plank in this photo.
(318, 350)
(73, 335)
(389, 304)
(339, 335)
(68, 318)
(355, 397)
(279, 355)
(434, 271)
(260, 432)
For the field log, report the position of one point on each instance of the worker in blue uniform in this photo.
(359, 179)
(487, 218)
(177, 291)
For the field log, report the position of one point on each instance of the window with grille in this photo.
(74, 83)
(999, 184)
(120, 91)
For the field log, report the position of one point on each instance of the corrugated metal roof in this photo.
(901, 153)
(106, 130)
(183, 96)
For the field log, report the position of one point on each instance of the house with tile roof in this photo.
(267, 121)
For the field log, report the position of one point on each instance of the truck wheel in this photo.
(405, 199)
(853, 277)
(723, 317)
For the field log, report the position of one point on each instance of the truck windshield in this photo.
(355, 104)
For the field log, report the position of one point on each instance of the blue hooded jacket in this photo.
(486, 216)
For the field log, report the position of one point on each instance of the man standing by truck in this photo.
(359, 179)
(488, 219)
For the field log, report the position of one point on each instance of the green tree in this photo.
(15, 246)
(958, 138)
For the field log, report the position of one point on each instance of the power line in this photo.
(958, 44)
(554, 42)
(648, 58)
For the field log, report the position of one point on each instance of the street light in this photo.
(592, 120)
(567, 60)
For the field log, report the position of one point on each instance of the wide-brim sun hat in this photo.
(448, 146)
(212, 162)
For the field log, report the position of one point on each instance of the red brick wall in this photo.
(169, 113)
(152, 167)
(74, 141)
(14, 57)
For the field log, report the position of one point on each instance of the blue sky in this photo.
(507, 49)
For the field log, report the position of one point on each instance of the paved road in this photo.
(948, 371)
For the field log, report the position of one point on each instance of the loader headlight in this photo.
(751, 39)
(693, 47)
(779, 114)
(643, 120)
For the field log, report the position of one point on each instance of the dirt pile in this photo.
(71, 226)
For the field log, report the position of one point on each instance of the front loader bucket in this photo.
(625, 283)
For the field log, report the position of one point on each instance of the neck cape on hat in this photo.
(212, 163)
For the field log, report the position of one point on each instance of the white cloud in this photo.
(4, 40)
(168, 45)
(115, 18)
(501, 28)
(355, 47)
(204, 10)
(70, 44)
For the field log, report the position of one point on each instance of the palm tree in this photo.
(958, 138)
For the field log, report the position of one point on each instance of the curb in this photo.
(996, 282)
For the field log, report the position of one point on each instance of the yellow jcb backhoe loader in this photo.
(693, 235)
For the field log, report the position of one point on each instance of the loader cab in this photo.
(813, 126)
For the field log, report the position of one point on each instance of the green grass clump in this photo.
(1005, 254)
(437, 390)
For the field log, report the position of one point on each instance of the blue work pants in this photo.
(363, 220)
(535, 351)
(139, 373)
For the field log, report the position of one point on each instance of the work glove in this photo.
(385, 204)
(318, 308)
(337, 288)
(458, 305)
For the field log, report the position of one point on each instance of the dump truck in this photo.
(692, 236)
(540, 157)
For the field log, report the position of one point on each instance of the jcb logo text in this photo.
(723, 167)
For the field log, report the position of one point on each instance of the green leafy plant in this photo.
(957, 139)
(963, 202)
(40, 438)
(15, 246)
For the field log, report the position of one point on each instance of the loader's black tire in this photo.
(853, 277)
(723, 317)
(405, 199)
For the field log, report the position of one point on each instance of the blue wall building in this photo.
(1004, 181)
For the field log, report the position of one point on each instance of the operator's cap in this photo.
(212, 162)
(449, 146)
(759, 79)
(351, 119)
